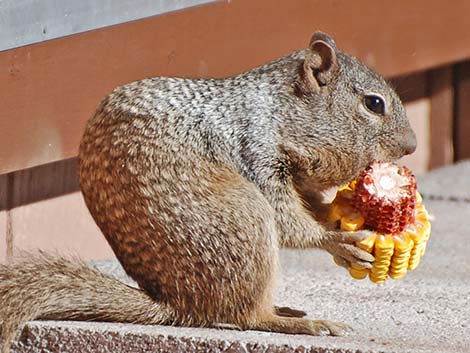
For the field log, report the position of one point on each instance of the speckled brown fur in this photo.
(195, 184)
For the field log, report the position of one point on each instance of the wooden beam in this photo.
(442, 117)
(462, 112)
(43, 182)
(4, 217)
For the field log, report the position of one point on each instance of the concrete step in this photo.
(426, 311)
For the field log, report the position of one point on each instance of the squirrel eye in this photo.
(375, 104)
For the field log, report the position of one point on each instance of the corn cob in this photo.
(399, 219)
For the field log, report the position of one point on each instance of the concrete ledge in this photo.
(118, 338)
(426, 311)
(450, 183)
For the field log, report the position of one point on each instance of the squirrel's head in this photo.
(353, 111)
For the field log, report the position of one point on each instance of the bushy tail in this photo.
(45, 287)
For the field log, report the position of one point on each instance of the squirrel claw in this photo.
(226, 326)
(288, 312)
(341, 246)
(337, 328)
(347, 265)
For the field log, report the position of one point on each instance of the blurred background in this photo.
(58, 58)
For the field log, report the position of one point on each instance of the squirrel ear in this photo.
(320, 61)
(321, 36)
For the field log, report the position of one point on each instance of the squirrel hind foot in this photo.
(283, 311)
(296, 325)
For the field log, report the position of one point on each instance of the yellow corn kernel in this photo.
(352, 222)
(422, 220)
(422, 224)
(352, 184)
(427, 233)
(416, 253)
(420, 212)
(426, 230)
(401, 256)
(383, 251)
(344, 187)
(420, 234)
(419, 198)
(415, 234)
(367, 244)
(344, 193)
(357, 273)
(398, 275)
(423, 249)
(336, 212)
(403, 243)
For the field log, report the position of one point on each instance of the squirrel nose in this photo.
(410, 143)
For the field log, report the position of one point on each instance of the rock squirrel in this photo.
(196, 183)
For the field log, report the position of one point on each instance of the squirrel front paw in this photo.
(342, 245)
